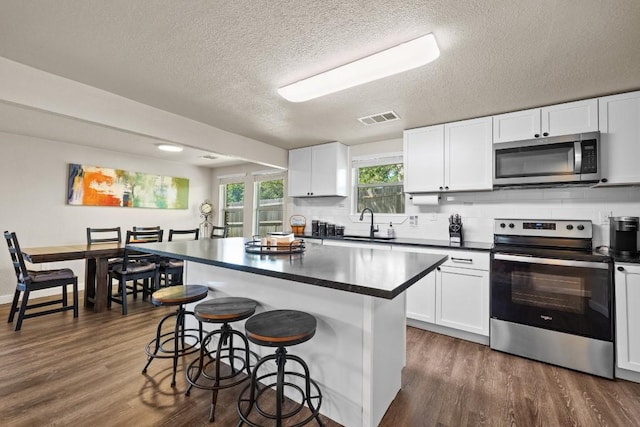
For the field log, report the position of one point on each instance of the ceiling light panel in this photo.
(403, 57)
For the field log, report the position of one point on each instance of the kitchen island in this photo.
(357, 296)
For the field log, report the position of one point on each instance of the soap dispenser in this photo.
(390, 231)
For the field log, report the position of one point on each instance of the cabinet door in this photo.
(299, 176)
(468, 156)
(628, 316)
(329, 170)
(620, 138)
(421, 301)
(571, 117)
(423, 159)
(516, 126)
(462, 299)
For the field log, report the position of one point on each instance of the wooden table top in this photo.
(71, 252)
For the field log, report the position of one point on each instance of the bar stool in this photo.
(199, 375)
(280, 329)
(175, 295)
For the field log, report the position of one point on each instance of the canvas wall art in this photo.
(100, 186)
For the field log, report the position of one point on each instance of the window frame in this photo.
(258, 180)
(224, 208)
(381, 159)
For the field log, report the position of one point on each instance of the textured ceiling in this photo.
(220, 62)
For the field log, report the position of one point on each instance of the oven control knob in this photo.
(569, 227)
(503, 225)
(511, 225)
(581, 227)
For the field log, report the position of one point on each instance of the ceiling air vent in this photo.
(379, 118)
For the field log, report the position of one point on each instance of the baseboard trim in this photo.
(444, 330)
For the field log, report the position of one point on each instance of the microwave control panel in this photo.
(589, 156)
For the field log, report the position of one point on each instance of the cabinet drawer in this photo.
(467, 259)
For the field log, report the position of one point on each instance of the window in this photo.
(233, 210)
(269, 206)
(379, 184)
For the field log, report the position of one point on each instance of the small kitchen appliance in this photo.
(623, 235)
(315, 227)
(455, 230)
(552, 295)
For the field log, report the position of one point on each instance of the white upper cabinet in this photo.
(320, 170)
(620, 138)
(423, 159)
(561, 119)
(467, 155)
(450, 157)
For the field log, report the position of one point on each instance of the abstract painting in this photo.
(100, 186)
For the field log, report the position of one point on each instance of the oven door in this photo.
(574, 297)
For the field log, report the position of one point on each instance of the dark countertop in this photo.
(379, 273)
(408, 241)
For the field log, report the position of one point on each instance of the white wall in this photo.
(33, 173)
(478, 209)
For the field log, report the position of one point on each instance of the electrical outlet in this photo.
(413, 220)
(604, 217)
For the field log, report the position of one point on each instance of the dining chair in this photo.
(104, 235)
(171, 270)
(219, 232)
(135, 267)
(29, 281)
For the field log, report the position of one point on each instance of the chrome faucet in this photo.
(372, 229)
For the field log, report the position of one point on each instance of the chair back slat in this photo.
(219, 232)
(17, 259)
(147, 234)
(104, 235)
(185, 234)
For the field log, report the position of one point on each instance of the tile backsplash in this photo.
(478, 210)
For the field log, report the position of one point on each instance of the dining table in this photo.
(97, 257)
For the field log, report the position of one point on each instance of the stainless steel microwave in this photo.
(544, 161)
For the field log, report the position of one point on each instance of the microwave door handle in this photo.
(577, 148)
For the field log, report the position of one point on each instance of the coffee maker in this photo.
(623, 235)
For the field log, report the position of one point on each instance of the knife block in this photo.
(455, 234)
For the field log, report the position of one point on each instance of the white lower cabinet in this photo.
(627, 297)
(462, 299)
(456, 295)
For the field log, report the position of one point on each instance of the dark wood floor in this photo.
(86, 372)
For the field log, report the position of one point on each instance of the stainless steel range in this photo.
(551, 295)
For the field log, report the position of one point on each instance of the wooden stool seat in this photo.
(280, 328)
(177, 295)
(223, 310)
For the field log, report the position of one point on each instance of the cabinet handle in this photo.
(465, 260)
(446, 188)
(620, 268)
(438, 268)
(545, 134)
(441, 188)
(537, 135)
(604, 180)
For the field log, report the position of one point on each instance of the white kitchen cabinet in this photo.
(627, 298)
(456, 295)
(560, 119)
(320, 170)
(462, 299)
(451, 157)
(468, 159)
(620, 138)
(424, 159)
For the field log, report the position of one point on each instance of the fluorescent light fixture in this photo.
(170, 147)
(403, 57)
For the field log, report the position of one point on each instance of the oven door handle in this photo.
(551, 261)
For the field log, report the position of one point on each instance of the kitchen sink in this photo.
(352, 236)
